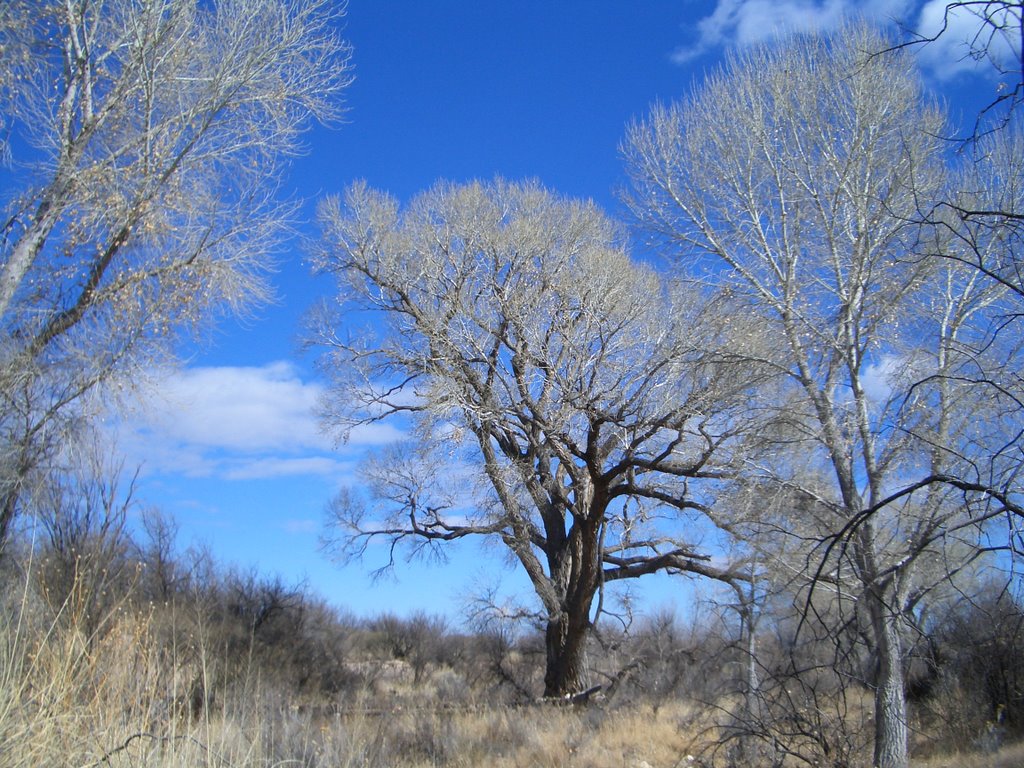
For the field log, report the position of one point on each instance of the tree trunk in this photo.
(8, 506)
(575, 568)
(891, 731)
(566, 639)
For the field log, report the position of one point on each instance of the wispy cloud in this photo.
(238, 423)
(954, 41)
(745, 22)
(239, 409)
(878, 378)
(304, 526)
(276, 467)
(967, 44)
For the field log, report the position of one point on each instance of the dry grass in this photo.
(115, 696)
(123, 697)
(550, 736)
(118, 698)
(1011, 756)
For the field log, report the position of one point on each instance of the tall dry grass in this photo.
(128, 692)
(118, 689)
(122, 700)
(146, 687)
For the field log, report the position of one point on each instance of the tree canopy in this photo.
(593, 396)
(146, 137)
(796, 176)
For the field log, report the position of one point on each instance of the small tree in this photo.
(143, 134)
(86, 566)
(532, 352)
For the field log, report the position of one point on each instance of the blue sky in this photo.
(451, 89)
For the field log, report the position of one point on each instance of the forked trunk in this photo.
(575, 568)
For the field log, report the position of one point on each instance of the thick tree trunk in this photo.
(575, 570)
(566, 639)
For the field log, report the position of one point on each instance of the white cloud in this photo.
(746, 22)
(966, 43)
(238, 423)
(276, 467)
(240, 409)
(879, 376)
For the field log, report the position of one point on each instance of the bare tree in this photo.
(793, 177)
(529, 350)
(145, 136)
(978, 226)
(988, 32)
(979, 221)
(982, 211)
(86, 568)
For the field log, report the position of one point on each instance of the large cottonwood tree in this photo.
(527, 348)
(794, 177)
(144, 140)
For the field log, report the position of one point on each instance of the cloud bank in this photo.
(238, 423)
(966, 45)
(738, 23)
(747, 22)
